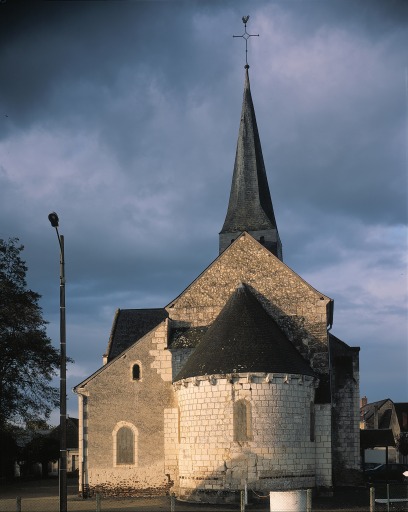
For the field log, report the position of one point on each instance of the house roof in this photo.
(244, 338)
(375, 437)
(384, 411)
(250, 205)
(129, 325)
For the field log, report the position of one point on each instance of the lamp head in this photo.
(53, 218)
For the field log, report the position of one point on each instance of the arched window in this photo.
(242, 421)
(124, 444)
(136, 372)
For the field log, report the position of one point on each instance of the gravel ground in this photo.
(42, 496)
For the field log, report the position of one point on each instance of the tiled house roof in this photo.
(244, 338)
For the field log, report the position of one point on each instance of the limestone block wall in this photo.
(171, 444)
(279, 453)
(300, 310)
(346, 424)
(114, 399)
(323, 445)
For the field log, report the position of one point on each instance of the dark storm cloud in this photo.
(123, 117)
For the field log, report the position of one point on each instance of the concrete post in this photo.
(372, 499)
(98, 502)
(242, 501)
(309, 500)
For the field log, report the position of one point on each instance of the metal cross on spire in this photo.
(246, 36)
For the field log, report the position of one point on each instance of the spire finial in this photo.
(246, 36)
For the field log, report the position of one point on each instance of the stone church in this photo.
(237, 382)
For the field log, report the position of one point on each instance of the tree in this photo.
(402, 443)
(42, 448)
(28, 361)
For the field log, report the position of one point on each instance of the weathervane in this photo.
(246, 36)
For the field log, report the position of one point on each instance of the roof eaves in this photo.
(112, 333)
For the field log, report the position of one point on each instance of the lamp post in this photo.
(53, 218)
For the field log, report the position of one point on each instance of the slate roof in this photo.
(244, 338)
(129, 325)
(187, 337)
(250, 205)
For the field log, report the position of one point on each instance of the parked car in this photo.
(387, 472)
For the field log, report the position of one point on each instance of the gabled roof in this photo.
(218, 260)
(250, 205)
(383, 409)
(244, 338)
(129, 325)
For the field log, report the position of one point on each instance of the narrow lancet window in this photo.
(136, 372)
(242, 421)
(125, 446)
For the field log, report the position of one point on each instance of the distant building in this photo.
(383, 425)
(72, 442)
(237, 381)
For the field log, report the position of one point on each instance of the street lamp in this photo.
(53, 218)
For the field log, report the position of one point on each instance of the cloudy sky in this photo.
(122, 116)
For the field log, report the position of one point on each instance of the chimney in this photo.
(363, 401)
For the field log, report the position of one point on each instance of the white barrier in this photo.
(288, 501)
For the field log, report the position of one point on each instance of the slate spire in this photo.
(250, 205)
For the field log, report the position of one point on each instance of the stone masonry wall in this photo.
(280, 454)
(299, 309)
(323, 446)
(346, 419)
(115, 399)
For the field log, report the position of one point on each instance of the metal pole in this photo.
(62, 469)
(63, 384)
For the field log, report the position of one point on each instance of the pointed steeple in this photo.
(250, 205)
